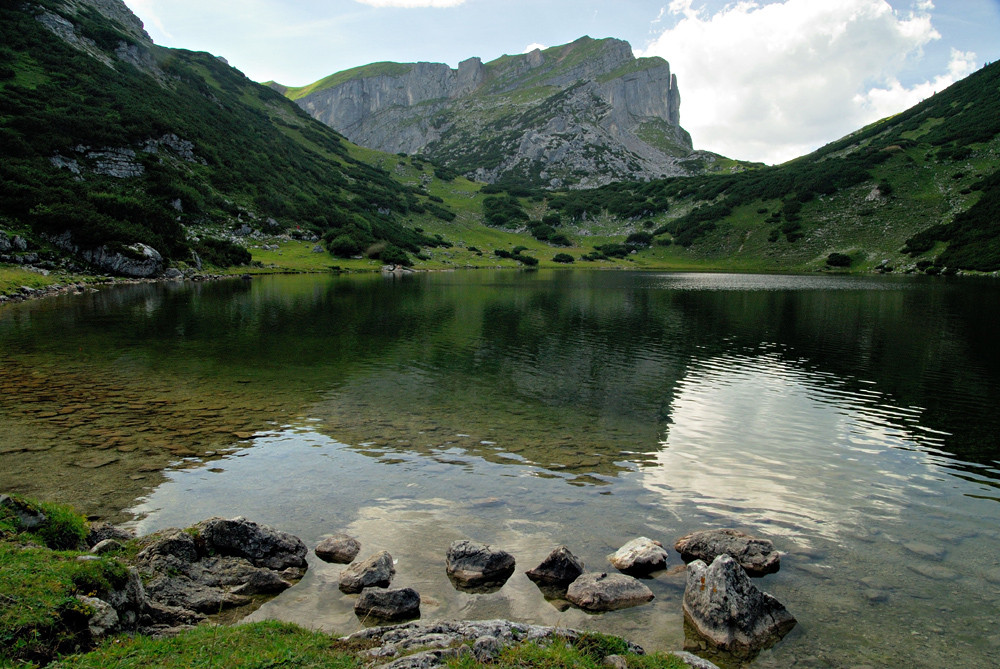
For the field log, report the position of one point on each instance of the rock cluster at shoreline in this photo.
(723, 610)
(179, 577)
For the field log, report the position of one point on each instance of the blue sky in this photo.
(764, 80)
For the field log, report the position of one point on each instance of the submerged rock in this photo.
(339, 548)
(607, 592)
(388, 604)
(375, 572)
(475, 565)
(560, 568)
(726, 609)
(639, 557)
(757, 556)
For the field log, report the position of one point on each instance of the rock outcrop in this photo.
(757, 556)
(727, 610)
(215, 565)
(427, 645)
(589, 107)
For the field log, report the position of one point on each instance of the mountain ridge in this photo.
(578, 115)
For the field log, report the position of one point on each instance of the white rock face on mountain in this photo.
(582, 114)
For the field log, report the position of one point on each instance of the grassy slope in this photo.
(866, 196)
(259, 156)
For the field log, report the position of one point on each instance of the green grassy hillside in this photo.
(916, 192)
(117, 141)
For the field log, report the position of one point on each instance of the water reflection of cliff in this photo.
(574, 372)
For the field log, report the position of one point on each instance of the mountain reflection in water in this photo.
(850, 419)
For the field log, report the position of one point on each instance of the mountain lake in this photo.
(852, 420)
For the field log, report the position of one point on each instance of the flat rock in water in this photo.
(639, 557)
(607, 592)
(757, 556)
(388, 604)
(472, 565)
(726, 609)
(934, 571)
(561, 567)
(375, 572)
(339, 548)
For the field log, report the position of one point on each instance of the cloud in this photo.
(895, 97)
(144, 10)
(773, 81)
(532, 47)
(410, 4)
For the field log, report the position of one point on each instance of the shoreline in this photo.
(78, 284)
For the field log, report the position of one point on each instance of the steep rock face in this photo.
(582, 114)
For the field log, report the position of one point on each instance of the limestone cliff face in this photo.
(582, 114)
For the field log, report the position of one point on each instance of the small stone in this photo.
(615, 662)
(339, 548)
(639, 557)
(472, 565)
(561, 567)
(388, 604)
(106, 546)
(607, 592)
(375, 572)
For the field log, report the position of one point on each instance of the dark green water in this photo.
(852, 420)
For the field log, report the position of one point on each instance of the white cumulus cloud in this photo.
(533, 46)
(770, 82)
(410, 4)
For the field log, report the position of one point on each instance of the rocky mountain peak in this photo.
(581, 114)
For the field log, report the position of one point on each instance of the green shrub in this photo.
(562, 257)
(393, 255)
(838, 260)
(63, 528)
(222, 252)
(344, 246)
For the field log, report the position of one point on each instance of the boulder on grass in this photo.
(607, 592)
(388, 604)
(375, 572)
(726, 609)
(639, 557)
(560, 568)
(757, 556)
(473, 565)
